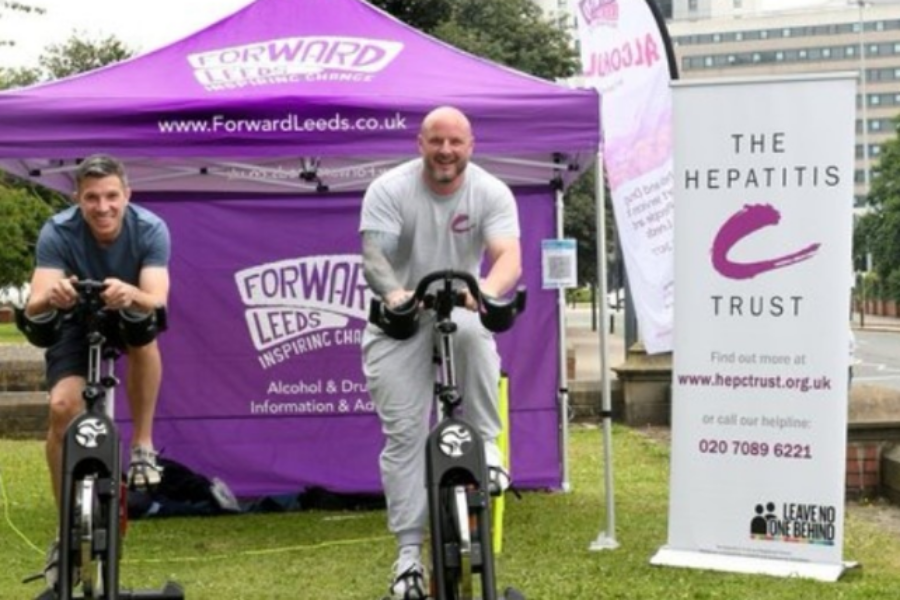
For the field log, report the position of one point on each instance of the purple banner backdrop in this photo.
(263, 384)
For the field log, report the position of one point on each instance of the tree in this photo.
(424, 15)
(79, 55)
(511, 32)
(21, 217)
(876, 231)
(20, 77)
(580, 224)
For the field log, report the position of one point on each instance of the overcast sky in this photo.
(142, 25)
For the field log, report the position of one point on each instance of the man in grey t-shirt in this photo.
(105, 238)
(433, 213)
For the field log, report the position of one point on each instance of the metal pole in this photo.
(864, 105)
(864, 98)
(563, 394)
(606, 540)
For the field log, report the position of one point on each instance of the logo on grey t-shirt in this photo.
(461, 224)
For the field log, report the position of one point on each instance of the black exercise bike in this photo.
(457, 479)
(93, 508)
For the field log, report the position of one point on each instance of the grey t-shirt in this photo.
(66, 243)
(438, 232)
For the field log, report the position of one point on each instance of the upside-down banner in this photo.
(764, 190)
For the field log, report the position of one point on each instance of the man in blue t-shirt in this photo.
(104, 238)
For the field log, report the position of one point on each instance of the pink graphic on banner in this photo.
(750, 219)
(600, 11)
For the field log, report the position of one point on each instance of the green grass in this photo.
(9, 334)
(327, 555)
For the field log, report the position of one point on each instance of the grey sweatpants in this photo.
(400, 377)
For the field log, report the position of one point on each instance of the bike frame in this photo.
(91, 463)
(91, 448)
(456, 475)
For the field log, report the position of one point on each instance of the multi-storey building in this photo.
(735, 38)
(827, 39)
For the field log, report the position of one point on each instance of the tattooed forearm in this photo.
(377, 247)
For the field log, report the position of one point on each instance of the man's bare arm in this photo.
(379, 274)
(505, 256)
(50, 290)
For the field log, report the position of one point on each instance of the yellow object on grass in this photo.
(499, 503)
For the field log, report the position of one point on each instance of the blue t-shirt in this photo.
(66, 243)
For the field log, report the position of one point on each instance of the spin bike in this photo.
(459, 490)
(93, 508)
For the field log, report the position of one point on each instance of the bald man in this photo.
(436, 212)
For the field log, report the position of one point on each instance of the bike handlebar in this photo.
(401, 322)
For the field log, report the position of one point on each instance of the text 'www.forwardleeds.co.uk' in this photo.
(292, 123)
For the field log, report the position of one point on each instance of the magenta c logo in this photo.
(461, 224)
(749, 219)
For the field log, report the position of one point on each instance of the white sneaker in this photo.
(51, 568)
(224, 496)
(409, 579)
(144, 473)
(499, 479)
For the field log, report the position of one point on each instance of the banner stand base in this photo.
(669, 557)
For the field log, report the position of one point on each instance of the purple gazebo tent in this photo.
(253, 138)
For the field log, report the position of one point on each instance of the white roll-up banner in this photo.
(764, 172)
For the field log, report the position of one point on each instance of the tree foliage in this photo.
(580, 224)
(877, 231)
(511, 32)
(78, 55)
(19, 77)
(21, 217)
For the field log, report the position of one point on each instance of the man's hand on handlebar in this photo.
(118, 294)
(397, 297)
(62, 294)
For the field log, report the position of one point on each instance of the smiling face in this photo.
(102, 201)
(446, 144)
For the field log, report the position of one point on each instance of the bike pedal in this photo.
(34, 577)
